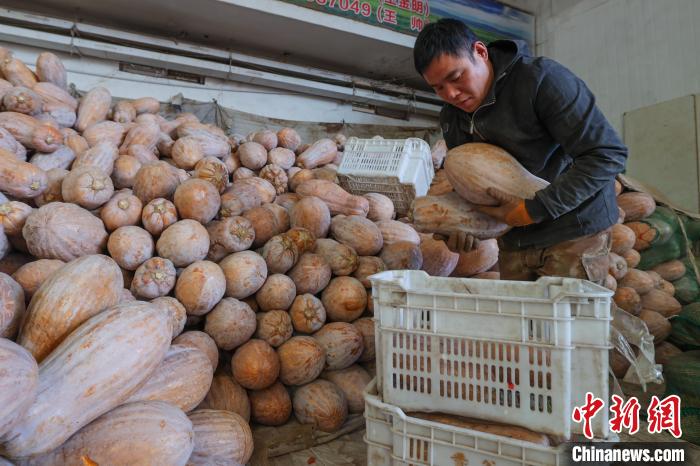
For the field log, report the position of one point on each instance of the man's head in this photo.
(454, 63)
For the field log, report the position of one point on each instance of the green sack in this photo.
(655, 255)
(685, 328)
(692, 228)
(682, 375)
(687, 288)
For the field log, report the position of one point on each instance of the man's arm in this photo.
(567, 108)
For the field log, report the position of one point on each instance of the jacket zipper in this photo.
(472, 124)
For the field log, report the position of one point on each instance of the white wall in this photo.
(631, 53)
(88, 72)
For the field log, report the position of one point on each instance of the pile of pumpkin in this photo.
(164, 284)
(650, 272)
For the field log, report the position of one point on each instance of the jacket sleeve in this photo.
(566, 107)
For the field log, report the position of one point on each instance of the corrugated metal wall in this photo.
(632, 53)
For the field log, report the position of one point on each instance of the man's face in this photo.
(461, 81)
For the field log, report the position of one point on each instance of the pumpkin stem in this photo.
(123, 204)
(34, 186)
(98, 185)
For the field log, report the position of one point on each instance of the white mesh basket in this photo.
(401, 169)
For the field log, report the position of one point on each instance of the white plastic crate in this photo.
(522, 353)
(394, 439)
(401, 169)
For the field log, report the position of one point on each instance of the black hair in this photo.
(446, 36)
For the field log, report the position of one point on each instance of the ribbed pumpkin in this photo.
(93, 108)
(280, 253)
(307, 313)
(12, 298)
(214, 171)
(344, 299)
(438, 260)
(176, 313)
(449, 213)
(186, 152)
(130, 246)
(270, 406)
(311, 274)
(220, 437)
(255, 365)
(366, 266)
(304, 239)
(342, 342)
(282, 157)
(380, 207)
(365, 326)
(87, 186)
(105, 131)
(80, 290)
(201, 341)
(225, 394)
(154, 278)
(322, 404)
(636, 205)
(313, 214)
(276, 176)
(126, 342)
(102, 156)
(274, 327)
(278, 292)
(474, 167)
(123, 209)
(358, 232)
(184, 243)
(342, 258)
(197, 199)
(336, 198)
(17, 385)
(288, 138)
(200, 287)
(352, 381)
(145, 432)
(245, 273)
(154, 180)
(231, 323)
(63, 231)
(301, 360)
(182, 379)
(402, 255)
(229, 235)
(13, 215)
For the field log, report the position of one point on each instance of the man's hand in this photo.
(459, 241)
(510, 210)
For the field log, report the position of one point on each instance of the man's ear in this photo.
(480, 50)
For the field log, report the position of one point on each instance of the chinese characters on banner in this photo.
(489, 19)
(662, 415)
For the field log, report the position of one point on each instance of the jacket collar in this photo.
(503, 55)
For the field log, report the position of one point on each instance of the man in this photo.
(546, 118)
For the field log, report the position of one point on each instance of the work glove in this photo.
(510, 209)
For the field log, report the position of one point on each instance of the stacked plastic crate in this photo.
(518, 353)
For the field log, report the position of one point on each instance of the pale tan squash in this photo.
(380, 207)
(268, 220)
(102, 156)
(366, 266)
(449, 213)
(365, 326)
(638, 280)
(50, 69)
(307, 313)
(478, 260)
(664, 304)
(17, 72)
(319, 153)
(344, 299)
(105, 131)
(79, 290)
(288, 138)
(311, 274)
(252, 155)
(282, 157)
(336, 198)
(154, 180)
(71, 393)
(393, 231)
(200, 287)
(352, 381)
(659, 327)
(32, 275)
(274, 327)
(18, 384)
(130, 246)
(628, 300)
(473, 168)
(313, 214)
(184, 243)
(280, 253)
(231, 323)
(158, 215)
(176, 313)
(125, 169)
(202, 341)
(93, 108)
(182, 379)
(322, 404)
(636, 205)
(671, 270)
(13, 215)
(271, 406)
(123, 209)
(301, 360)
(402, 255)
(277, 293)
(342, 342)
(438, 260)
(255, 365)
(221, 437)
(197, 199)
(276, 176)
(229, 235)
(632, 257)
(361, 234)
(623, 239)
(342, 258)
(226, 395)
(87, 186)
(245, 273)
(20, 179)
(144, 432)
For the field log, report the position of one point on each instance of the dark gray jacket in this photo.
(546, 117)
